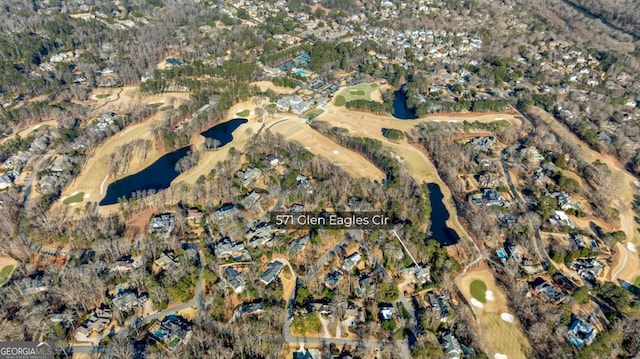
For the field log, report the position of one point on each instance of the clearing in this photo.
(7, 266)
(499, 334)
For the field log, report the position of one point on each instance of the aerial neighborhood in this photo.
(321, 179)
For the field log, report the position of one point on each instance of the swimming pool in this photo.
(501, 254)
(301, 72)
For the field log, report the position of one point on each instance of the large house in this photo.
(580, 333)
(351, 261)
(450, 346)
(293, 103)
(162, 223)
(234, 278)
(272, 271)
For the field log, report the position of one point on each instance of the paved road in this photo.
(36, 168)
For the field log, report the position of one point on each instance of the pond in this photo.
(157, 176)
(161, 173)
(439, 216)
(223, 132)
(400, 109)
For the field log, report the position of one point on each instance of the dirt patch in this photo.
(498, 334)
(139, 221)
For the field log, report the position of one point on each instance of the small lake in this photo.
(157, 176)
(400, 109)
(161, 173)
(439, 216)
(223, 132)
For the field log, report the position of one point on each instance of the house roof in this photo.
(272, 271)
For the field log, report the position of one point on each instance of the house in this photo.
(563, 199)
(61, 163)
(226, 210)
(126, 264)
(49, 184)
(128, 300)
(318, 306)
(299, 243)
(5, 181)
(351, 261)
(262, 234)
(34, 284)
(416, 274)
(171, 331)
(251, 199)
(234, 278)
(272, 271)
(248, 175)
(438, 304)
(252, 308)
(194, 214)
(513, 251)
(386, 312)
(577, 240)
(450, 346)
(482, 143)
(561, 218)
(587, 268)
(490, 198)
(548, 291)
(580, 333)
(39, 145)
(366, 286)
(96, 323)
(170, 61)
(228, 248)
(293, 103)
(332, 279)
(166, 261)
(271, 71)
(162, 223)
(272, 160)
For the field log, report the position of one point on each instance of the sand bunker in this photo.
(632, 247)
(476, 303)
(489, 295)
(507, 317)
(500, 356)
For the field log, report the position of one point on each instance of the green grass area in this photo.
(272, 105)
(315, 112)
(478, 290)
(103, 96)
(340, 100)
(358, 92)
(307, 324)
(78, 197)
(4, 273)
(243, 113)
(156, 104)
